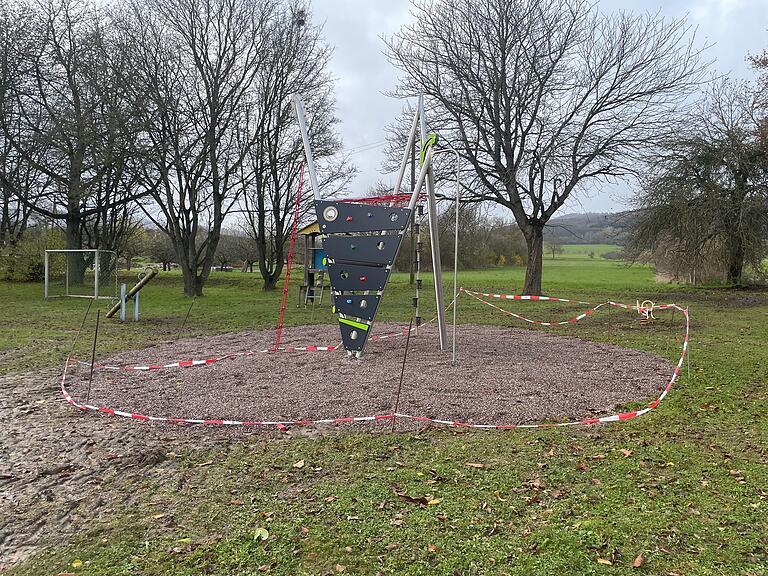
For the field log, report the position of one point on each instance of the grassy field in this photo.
(680, 491)
(582, 251)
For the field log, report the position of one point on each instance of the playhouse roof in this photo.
(310, 229)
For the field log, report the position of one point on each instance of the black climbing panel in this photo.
(353, 337)
(361, 242)
(336, 217)
(360, 305)
(353, 277)
(378, 250)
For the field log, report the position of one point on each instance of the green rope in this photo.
(428, 143)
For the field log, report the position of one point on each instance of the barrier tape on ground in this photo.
(215, 359)
(639, 308)
(284, 424)
(522, 297)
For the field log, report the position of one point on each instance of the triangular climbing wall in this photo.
(361, 242)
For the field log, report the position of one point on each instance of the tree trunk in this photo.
(270, 283)
(735, 260)
(193, 283)
(534, 239)
(75, 260)
(270, 277)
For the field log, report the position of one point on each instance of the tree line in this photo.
(176, 112)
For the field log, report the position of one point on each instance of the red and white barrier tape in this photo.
(283, 424)
(215, 359)
(522, 297)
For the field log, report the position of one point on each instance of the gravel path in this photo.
(504, 376)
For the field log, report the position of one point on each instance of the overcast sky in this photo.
(735, 28)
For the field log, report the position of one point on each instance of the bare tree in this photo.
(160, 249)
(541, 98)
(18, 179)
(244, 248)
(198, 61)
(296, 62)
(555, 247)
(708, 197)
(65, 119)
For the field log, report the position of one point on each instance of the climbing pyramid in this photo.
(361, 242)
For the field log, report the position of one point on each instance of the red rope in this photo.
(294, 229)
(387, 199)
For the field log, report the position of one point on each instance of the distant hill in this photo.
(590, 228)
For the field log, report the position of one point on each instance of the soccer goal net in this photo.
(81, 274)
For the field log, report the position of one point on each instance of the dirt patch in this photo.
(61, 468)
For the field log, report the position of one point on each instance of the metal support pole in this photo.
(136, 307)
(45, 285)
(434, 239)
(412, 276)
(456, 256)
(302, 117)
(96, 274)
(122, 302)
(417, 263)
(408, 146)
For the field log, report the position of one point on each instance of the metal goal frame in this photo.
(97, 252)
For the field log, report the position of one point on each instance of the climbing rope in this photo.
(288, 266)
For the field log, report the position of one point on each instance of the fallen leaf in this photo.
(639, 561)
(434, 501)
(551, 452)
(77, 563)
(158, 516)
(331, 498)
(236, 502)
(260, 534)
(392, 546)
(340, 568)
(206, 463)
(184, 540)
(66, 574)
(421, 500)
(299, 464)
(604, 561)
(598, 457)
(432, 548)
(474, 464)
(595, 481)
(627, 453)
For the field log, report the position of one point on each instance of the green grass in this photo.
(690, 497)
(582, 251)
